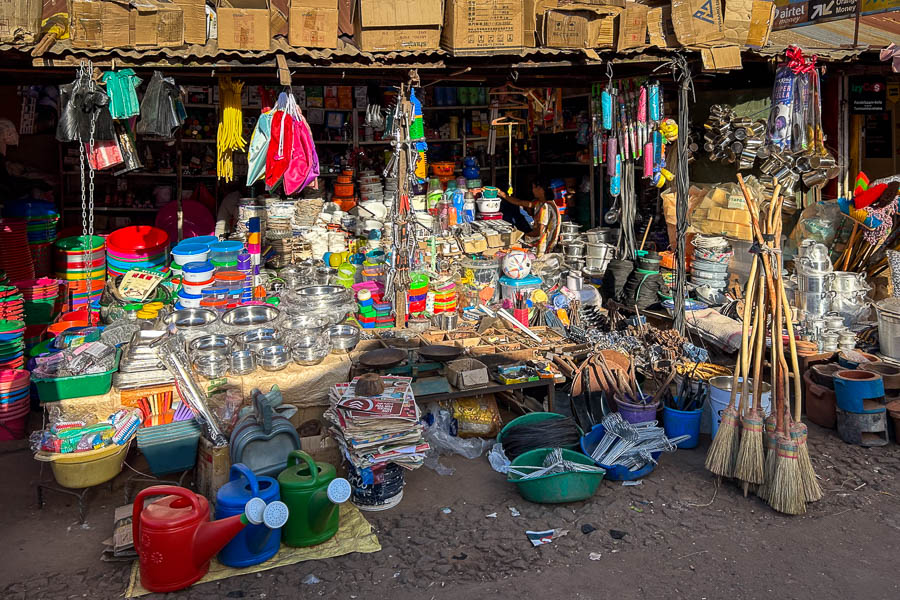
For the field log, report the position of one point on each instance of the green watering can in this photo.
(312, 492)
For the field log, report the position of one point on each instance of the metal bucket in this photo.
(849, 281)
(602, 235)
(889, 327)
(600, 250)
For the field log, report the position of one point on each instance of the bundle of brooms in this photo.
(782, 475)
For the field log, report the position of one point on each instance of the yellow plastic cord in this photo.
(230, 136)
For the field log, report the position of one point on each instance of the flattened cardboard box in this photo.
(156, 24)
(697, 21)
(396, 25)
(213, 466)
(659, 27)
(194, 15)
(313, 23)
(482, 25)
(20, 21)
(581, 26)
(244, 24)
(632, 27)
(748, 21)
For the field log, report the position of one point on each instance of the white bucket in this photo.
(720, 396)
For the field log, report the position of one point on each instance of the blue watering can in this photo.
(255, 543)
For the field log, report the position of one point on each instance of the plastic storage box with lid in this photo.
(509, 286)
(187, 252)
(225, 252)
(171, 447)
(197, 272)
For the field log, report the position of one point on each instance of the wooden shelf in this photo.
(122, 209)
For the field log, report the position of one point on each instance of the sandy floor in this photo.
(685, 538)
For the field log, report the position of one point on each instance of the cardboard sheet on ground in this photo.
(354, 535)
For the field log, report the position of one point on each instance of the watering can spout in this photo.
(212, 536)
(325, 502)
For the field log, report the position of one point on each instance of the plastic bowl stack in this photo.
(81, 261)
(15, 403)
(12, 305)
(39, 296)
(136, 247)
(40, 225)
(13, 239)
(12, 344)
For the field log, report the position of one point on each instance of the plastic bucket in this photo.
(683, 422)
(13, 428)
(637, 413)
(720, 396)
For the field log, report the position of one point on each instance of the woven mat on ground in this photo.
(354, 535)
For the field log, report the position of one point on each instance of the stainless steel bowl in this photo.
(191, 317)
(243, 316)
(242, 362)
(320, 291)
(305, 322)
(344, 338)
(212, 366)
(221, 343)
(257, 334)
(273, 358)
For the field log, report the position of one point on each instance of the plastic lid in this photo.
(531, 280)
(190, 249)
(224, 263)
(188, 295)
(147, 314)
(133, 307)
(230, 276)
(197, 267)
(229, 246)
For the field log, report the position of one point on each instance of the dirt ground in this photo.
(684, 538)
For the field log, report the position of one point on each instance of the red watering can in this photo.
(175, 539)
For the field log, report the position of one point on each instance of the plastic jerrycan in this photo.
(312, 493)
(256, 543)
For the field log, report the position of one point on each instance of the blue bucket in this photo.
(683, 422)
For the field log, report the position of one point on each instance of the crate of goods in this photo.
(397, 25)
(473, 27)
(467, 373)
(76, 386)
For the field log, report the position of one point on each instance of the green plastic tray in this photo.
(559, 487)
(63, 388)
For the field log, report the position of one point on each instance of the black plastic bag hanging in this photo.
(85, 111)
(162, 109)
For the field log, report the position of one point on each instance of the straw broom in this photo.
(723, 452)
(799, 433)
(786, 492)
(749, 467)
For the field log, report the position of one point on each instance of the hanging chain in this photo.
(85, 72)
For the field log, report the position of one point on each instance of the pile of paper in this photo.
(372, 430)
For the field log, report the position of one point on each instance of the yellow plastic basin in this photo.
(85, 469)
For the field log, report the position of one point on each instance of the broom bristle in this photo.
(749, 463)
(811, 490)
(723, 451)
(771, 440)
(786, 492)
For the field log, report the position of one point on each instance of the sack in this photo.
(259, 146)
(103, 155)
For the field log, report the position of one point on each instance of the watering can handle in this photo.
(239, 469)
(157, 490)
(297, 455)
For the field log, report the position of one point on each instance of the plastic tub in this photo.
(77, 470)
(76, 386)
(531, 419)
(720, 396)
(509, 286)
(225, 252)
(557, 487)
(197, 272)
(188, 253)
(614, 472)
(169, 448)
(683, 422)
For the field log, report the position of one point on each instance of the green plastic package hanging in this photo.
(121, 88)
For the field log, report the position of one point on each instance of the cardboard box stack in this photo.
(483, 26)
(396, 25)
(120, 24)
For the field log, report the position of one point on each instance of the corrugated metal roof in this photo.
(836, 37)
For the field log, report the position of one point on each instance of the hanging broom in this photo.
(749, 467)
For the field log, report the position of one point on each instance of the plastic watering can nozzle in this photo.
(273, 515)
(339, 490)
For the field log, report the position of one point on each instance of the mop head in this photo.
(786, 492)
(811, 490)
(724, 448)
(749, 465)
(769, 466)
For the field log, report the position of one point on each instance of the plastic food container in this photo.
(231, 280)
(187, 253)
(197, 272)
(224, 252)
(509, 286)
